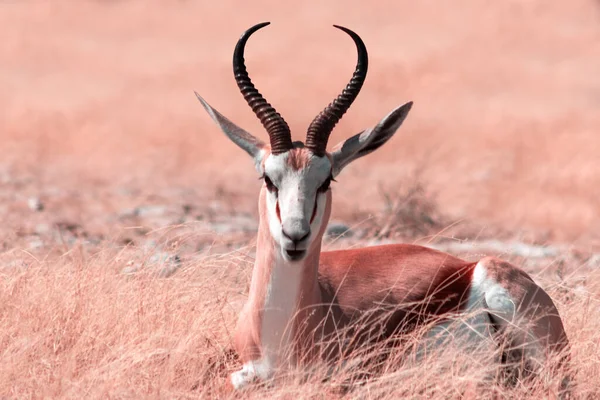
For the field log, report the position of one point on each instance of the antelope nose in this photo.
(296, 235)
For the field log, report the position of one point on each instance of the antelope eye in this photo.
(270, 186)
(325, 186)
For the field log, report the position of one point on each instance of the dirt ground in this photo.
(109, 164)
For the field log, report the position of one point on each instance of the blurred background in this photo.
(98, 113)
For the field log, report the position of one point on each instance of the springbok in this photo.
(299, 295)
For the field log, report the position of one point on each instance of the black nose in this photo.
(296, 237)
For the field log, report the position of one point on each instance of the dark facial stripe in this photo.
(277, 211)
(314, 214)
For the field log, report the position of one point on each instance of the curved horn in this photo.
(277, 128)
(321, 127)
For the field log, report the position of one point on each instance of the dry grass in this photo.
(75, 326)
(97, 115)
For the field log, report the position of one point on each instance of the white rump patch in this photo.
(471, 332)
(497, 297)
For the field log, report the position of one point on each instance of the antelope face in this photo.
(297, 198)
(297, 176)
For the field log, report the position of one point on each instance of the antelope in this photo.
(299, 295)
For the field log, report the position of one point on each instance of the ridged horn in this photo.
(321, 127)
(277, 128)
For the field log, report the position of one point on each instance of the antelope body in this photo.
(299, 295)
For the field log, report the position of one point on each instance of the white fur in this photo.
(279, 308)
(256, 369)
(296, 194)
(297, 190)
(472, 331)
(496, 296)
(276, 329)
(258, 160)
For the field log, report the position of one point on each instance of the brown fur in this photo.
(346, 284)
(535, 332)
(298, 158)
(425, 281)
(381, 291)
(532, 302)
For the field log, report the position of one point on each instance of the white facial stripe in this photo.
(297, 194)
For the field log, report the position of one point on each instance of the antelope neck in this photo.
(282, 293)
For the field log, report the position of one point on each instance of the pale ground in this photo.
(98, 121)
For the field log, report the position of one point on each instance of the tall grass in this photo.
(75, 326)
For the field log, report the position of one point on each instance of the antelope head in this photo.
(297, 175)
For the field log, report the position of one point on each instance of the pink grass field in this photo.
(98, 118)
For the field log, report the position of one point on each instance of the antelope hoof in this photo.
(244, 377)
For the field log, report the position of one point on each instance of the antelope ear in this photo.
(368, 140)
(246, 141)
